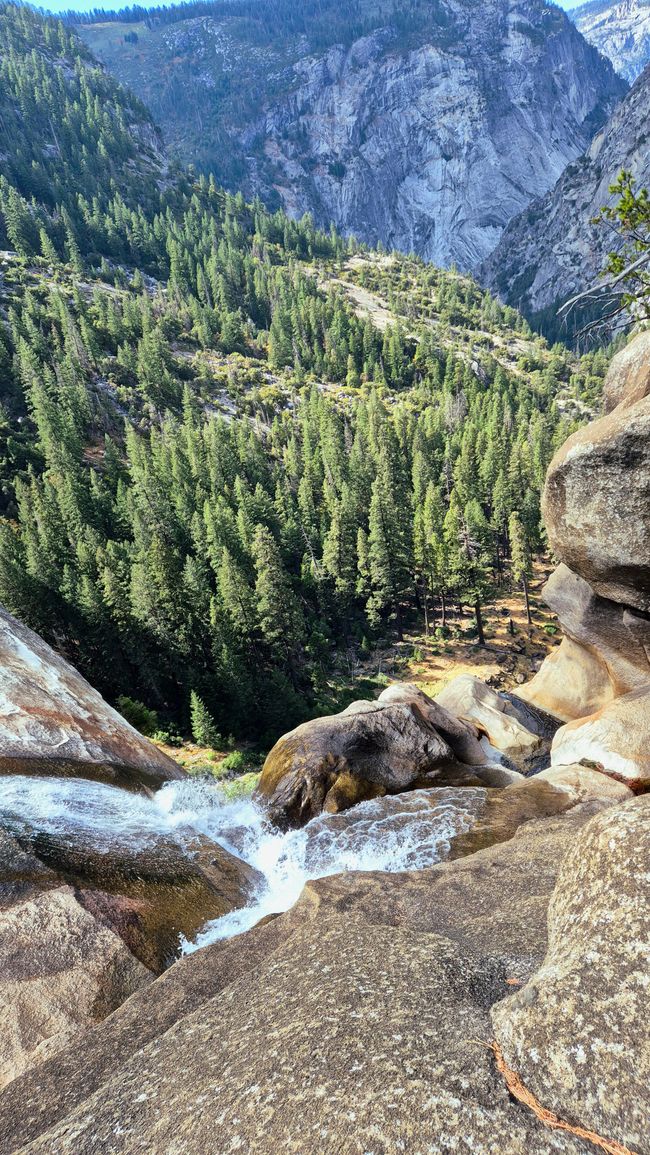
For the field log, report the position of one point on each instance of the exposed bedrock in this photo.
(356, 1022)
(577, 1033)
(596, 502)
(52, 721)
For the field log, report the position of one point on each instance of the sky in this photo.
(115, 5)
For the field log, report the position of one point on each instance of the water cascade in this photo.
(398, 833)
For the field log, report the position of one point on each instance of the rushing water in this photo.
(403, 832)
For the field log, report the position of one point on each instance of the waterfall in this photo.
(396, 833)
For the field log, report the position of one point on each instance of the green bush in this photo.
(139, 715)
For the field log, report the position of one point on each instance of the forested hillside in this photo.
(230, 442)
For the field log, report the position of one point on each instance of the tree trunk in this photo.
(527, 599)
(443, 603)
(479, 622)
(425, 599)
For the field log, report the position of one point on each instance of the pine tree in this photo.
(204, 730)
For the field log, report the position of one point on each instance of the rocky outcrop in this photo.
(401, 741)
(596, 504)
(83, 925)
(577, 1032)
(617, 737)
(554, 249)
(604, 653)
(425, 128)
(52, 721)
(620, 29)
(597, 510)
(469, 699)
(371, 996)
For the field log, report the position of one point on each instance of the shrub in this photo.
(139, 715)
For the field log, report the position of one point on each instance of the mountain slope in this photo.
(620, 30)
(425, 127)
(554, 249)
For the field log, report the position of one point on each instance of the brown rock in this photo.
(596, 504)
(577, 1033)
(52, 721)
(402, 740)
(628, 376)
(60, 970)
(469, 699)
(572, 682)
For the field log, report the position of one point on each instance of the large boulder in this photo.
(628, 376)
(616, 737)
(356, 1022)
(52, 721)
(605, 651)
(577, 1033)
(494, 715)
(596, 503)
(402, 740)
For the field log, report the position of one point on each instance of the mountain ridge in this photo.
(407, 129)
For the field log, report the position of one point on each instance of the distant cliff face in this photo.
(621, 31)
(427, 136)
(554, 249)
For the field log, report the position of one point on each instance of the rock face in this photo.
(85, 924)
(52, 721)
(597, 512)
(597, 501)
(617, 737)
(577, 1033)
(425, 128)
(402, 740)
(604, 652)
(61, 970)
(469, 699)
(366, 998)
(620, 30)
(553, 250)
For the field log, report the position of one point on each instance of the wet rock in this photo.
(596, 504)
(469, 699)
(60, 970)
(402, 740)
(580, 1044)
(616, 738)
(52, 721)
(366, 997)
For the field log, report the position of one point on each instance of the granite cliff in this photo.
(620, 30)
(554, 249)
(428, 132)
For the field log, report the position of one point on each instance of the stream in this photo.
(396, 833)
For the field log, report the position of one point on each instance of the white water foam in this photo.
(398, 833)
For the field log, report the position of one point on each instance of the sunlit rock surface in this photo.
(352, 1023)
(577, 1033)
(51, 719)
